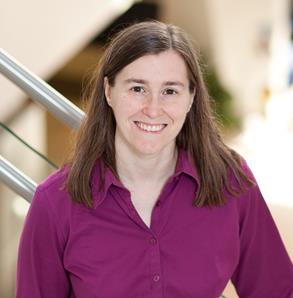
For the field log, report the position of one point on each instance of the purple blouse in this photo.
(68, 250)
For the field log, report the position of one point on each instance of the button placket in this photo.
(155, 266)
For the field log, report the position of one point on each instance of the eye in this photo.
(137, 89)
(170, 92)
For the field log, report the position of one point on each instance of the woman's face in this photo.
(150, 100)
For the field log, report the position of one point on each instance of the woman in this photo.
(152, 202)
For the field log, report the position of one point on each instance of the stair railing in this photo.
(44, 94)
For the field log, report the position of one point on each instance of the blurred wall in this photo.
(242, 39)
(43, 35)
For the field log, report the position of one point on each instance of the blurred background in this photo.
(247, 58)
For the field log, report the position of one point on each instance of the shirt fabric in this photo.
(69, 250)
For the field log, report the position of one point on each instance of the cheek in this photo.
(177, 113)
(124, 109)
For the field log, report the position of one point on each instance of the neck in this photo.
(139, 169)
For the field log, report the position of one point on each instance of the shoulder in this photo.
(244, 185)
(246, 168)
(240, 176)
(54, 181)
(52, 194)
(250, 199)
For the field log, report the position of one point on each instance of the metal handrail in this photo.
(47, 96)
(40, 91)
(16, 180)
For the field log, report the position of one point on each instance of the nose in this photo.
(153, 107)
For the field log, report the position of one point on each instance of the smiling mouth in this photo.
(150, 127)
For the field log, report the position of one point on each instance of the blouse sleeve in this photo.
(40, 271)
(264, 268)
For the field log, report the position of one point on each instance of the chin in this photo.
(146, 151)
(149, 149)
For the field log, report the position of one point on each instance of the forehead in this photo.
(167, 65)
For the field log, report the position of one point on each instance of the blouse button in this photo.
(156, 278)
(153, 241)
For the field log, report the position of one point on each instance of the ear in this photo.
(107, 89)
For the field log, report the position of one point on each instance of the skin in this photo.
(153, 90)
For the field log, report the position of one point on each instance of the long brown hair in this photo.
(199, 135)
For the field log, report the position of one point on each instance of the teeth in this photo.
(150, 127)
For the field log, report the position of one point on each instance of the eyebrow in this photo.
(144, 82)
